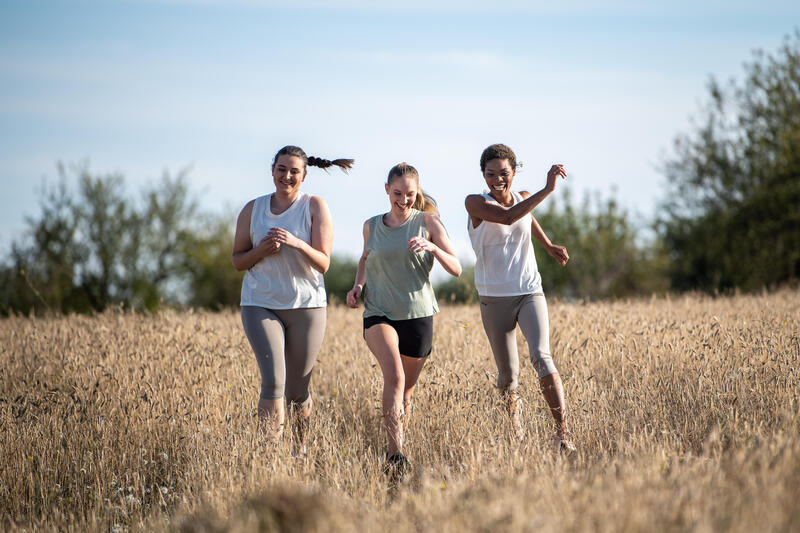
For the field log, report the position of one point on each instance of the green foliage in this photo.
(212, 282)
(606, 257)
(95, 247)
(732, 214)
(460, 289)
(339, 278)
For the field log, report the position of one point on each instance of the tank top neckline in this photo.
(406, 221)
(268, 207)
(514, 196)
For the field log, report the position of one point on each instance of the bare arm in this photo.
(559, 253)
(318, 253)
(245, 255)
(481, 209)
(361, 274)
(438, 243)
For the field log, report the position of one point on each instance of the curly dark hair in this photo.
(498, 151)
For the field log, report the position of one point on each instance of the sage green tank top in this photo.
(398, 280)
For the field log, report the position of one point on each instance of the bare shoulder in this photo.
(472, 198)
(432, 219)
(317, 202)
(317, 206)
(247, 210)
(524, 194)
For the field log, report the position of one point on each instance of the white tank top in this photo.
(505, 263)
(284, 280)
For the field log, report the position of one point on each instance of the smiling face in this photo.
(499, 174)
(288, 173)
(402, 193)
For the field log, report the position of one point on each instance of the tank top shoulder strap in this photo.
(258, 213)
(305, 206)
(418, 222)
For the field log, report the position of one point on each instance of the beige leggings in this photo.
(286, 343)
(500, 315)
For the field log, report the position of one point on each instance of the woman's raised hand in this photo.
(553, 174)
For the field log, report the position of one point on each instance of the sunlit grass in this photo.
(685, 413)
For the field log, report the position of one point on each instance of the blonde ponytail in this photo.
(425, 202)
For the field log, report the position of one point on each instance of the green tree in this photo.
(460, 289)
(212, 280)
(608, 258)
(339, 278)
(732, 209)
(44, 264)
(95, 247)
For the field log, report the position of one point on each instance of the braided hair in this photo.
(296, 151)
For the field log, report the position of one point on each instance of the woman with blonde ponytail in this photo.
(284, 240)
(394, 277)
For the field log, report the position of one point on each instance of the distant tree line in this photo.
(95, 246)
(732, 209)
(730, 219)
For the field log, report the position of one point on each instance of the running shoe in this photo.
(396, 466)
(563, 444)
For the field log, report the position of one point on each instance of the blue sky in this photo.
(140, 87)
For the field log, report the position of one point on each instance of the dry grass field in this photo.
(684, 411)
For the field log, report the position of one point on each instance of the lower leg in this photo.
(553, 392)
(305, 330)
(412, 368)
(301, 417)
(271, 414)
(392, 403)
(383, 342)
(513, 405)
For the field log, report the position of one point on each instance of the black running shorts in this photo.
(415, 334)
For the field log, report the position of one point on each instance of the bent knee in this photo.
(394, 380)
(543, 363)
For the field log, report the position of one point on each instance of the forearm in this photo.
(526, 206)
(361, 273)
(318, 259)
(449, 262)
(520, 209)
(539, 234)
(246, 260)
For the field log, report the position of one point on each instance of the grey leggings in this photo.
(500, 315)
(286, 343)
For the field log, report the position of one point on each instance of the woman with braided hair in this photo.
(284, 240)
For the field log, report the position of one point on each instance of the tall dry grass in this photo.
(684, 411)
